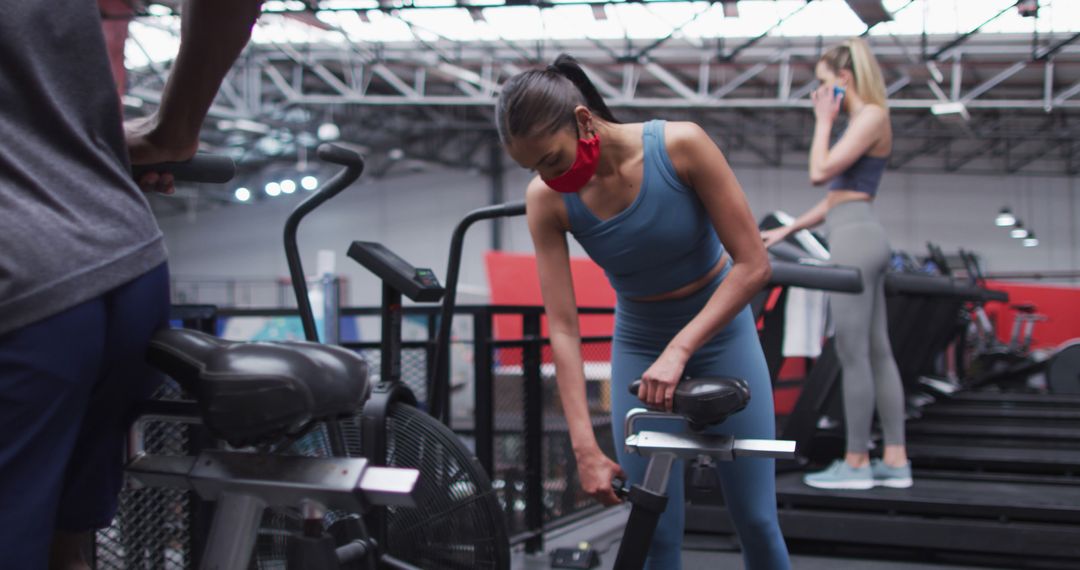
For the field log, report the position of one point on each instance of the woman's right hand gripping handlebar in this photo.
(596, 472)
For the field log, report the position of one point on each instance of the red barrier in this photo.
(1060, 304)
(513, 280)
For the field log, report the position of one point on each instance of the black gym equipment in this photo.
(456, 522)
(994, 471)
(698, 403)
(265, 395)
(459, 524)
(1011, 367)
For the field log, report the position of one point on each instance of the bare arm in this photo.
(812, 217)
(826, 163)
(703, 167)
(595, 470)
(557, 288)
(708, 173)
(212, 35)
(864, 130)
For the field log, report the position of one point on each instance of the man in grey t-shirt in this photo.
(83, 281)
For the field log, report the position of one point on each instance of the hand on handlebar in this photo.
(596, 472)
(659, 381)
(145, 146)
(774, 236)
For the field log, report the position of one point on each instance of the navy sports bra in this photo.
(663, 241)
(862, 176)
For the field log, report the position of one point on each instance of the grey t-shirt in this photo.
(73, 224)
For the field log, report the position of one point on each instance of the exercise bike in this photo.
(990, 363)
(265, 395)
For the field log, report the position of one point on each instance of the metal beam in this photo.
(965, 36)
(956, 78)
(394, 81)
(895, 87)
(730, 56)
(737, 81)
(1048, 86)
(954, 165)
(678, 79)
(1014, 167)
(783, 91)
(672, 82)
(1066, 93)
(606, 89)
(810, 86)
(280, 82)
(994, 81)
(660, 41)
(1050, 51)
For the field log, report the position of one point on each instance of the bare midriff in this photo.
(837, 197)
(689, 288)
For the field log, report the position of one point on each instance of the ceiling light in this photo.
(951, 112)
(1018, 231)
(242, 194)
(328, 132)
(1031, 240)
(1005, 218)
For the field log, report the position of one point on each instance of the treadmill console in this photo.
(418, 284)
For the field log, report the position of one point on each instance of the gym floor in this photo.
(603, 530)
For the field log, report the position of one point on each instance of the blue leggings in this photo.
(642, 330)
(69, 388)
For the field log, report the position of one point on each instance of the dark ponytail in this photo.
(543, 101)
(571, 69)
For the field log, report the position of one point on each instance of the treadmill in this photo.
(995, 492)
(997, 433)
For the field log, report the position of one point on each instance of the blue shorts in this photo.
(70, 387)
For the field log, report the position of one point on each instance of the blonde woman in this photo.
(851, 82)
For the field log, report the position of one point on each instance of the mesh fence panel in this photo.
(562, 494)
(414, 372)
(151, 528)
(414, 368)
(562, 490)
(508, 402)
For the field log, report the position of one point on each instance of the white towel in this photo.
(804, 322)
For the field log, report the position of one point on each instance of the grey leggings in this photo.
(857, 239)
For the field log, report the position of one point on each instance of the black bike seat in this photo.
(706, 401)
(250, 392)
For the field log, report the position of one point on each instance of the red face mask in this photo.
(583, 169)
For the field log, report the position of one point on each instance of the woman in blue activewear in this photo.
(658, 208)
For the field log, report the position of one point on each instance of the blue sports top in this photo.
(662, 241)
(862, 176)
